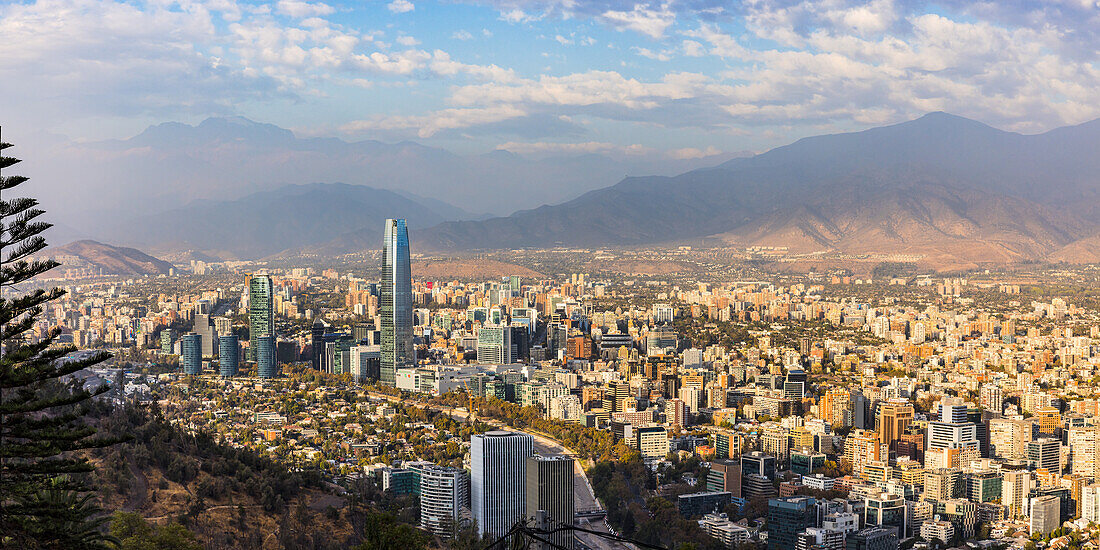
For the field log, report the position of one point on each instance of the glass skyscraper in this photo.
(228, 355)
(261, 313)
(397, 337)
(191, 348)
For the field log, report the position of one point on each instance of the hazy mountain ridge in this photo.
(224, 159)
(290, 217)
(110, 260)
(949, 189)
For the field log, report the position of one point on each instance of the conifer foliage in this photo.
(43, 498)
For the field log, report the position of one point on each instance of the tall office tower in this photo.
(317, 343)
(893, 419)
(229, 354)
(494, 345)
(1045, 452)
(191, 353)
(444, 495)
(787, 517)
(724, 475)
(498, 479)
(550, 490)
(261, 313)
(204, 327)
(266, 366)
(953, 410)
(397, 337)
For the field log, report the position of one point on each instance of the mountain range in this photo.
(106, 259)
(946, 190)
(91, 185)
(949, 190)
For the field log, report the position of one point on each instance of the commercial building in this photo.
(498, 479)
(873, 538)
(550, 491)
(787, 517)
(698, 504)
(261, 313)
(398, 350)
(266, 366)
(191, 353)
(229, 354)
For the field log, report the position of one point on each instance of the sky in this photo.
(680, 78)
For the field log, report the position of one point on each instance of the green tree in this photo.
(41, 422)
(136, 534)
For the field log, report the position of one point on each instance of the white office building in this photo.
(498, 479)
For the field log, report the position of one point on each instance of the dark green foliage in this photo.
(381, 531)
(136, 533)
(41, 419)
(627, 488)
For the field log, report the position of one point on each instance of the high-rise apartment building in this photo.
(444, 499)
(550, 491)
(261, 313)
(498, 479)
(396, 307)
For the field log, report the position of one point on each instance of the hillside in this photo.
(105, 259)
(228, 498)
(947, 189)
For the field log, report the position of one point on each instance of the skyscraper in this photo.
(550, 489)
(191, 353)
(265, 357)
(204, 327)
(397, 338)
(228, 355)
(317, 343)
(498, 479)
(261, 313)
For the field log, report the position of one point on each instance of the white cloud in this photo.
(407, 41)
(563, 40)
(588, 147)
(300, 9)
(694, 153)
(517, 15)
(400, 6)
(656, 56)
(644, 19)
(432, 123)
(462, 35)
